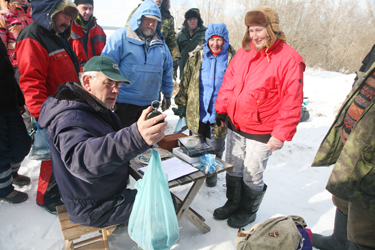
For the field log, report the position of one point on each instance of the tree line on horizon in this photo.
(334, 35)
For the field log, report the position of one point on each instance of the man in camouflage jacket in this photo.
(352, 181)
(166, 29)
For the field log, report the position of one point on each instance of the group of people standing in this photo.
(92, 94)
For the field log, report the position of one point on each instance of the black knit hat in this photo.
(84, 1)
(194, 12)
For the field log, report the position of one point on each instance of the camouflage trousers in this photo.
(361, 223)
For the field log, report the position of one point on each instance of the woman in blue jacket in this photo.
(202, 79)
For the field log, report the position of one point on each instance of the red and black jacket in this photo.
(45, 61)
(87, 43)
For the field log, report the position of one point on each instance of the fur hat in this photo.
(67, 7)
(84, 1)
(194, 12)
(264, 16)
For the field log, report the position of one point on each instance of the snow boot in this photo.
(211, 181)
(15, 197)
(234, 194)
(21, 180)
(249, 206)
(338, 240)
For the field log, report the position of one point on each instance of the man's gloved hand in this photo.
(166, 103)
(220, 119)
(176, 61)
(274, 144)
(181, 111)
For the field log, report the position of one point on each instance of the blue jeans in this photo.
(14, 146)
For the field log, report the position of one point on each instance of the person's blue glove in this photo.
(181, 111)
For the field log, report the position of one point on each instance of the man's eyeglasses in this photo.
(111, 84)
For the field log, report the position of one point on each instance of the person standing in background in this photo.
(14, 16)
(87, 38)
(14, 140)
(46, 60)
(144, 59)
(191, 35)
(196, 98)
(167, 29)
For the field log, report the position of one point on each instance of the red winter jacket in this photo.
(87, 45)
(44, 64)
(263, 93)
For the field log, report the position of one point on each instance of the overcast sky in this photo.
(114, 12)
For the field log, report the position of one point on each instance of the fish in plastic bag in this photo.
(153, 222)
(40, 149)
(208, 163)
(181, 125)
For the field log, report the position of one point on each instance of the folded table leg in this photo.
(185, 210)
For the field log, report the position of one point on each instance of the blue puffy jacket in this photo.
(212, 72)
(149, 71)
(90, 156)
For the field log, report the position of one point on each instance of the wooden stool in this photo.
(71, 231)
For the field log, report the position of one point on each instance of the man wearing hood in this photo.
(190, 36)
(144, 59)
(46, 60)
(167, 29)
(87, 37)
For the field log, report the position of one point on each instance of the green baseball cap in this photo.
(107, 66)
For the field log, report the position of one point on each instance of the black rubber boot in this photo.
(338, 240)
(249, 206)
(234, 194)
(352, 246)
(211, 181)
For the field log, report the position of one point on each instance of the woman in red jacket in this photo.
(261, 94)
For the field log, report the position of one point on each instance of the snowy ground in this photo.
(294, 188)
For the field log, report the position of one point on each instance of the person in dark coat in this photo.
(46, 60)
(90, 150)
(191, 36)
(14, 140)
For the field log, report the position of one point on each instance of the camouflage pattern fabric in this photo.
(353, 176)
(168, 31)
(188, 96)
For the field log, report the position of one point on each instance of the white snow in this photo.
(294, 187)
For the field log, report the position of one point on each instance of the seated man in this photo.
(89, 149)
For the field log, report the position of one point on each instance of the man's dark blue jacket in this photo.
(90, 156)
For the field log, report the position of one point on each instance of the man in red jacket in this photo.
(88, 38)
(46, 60)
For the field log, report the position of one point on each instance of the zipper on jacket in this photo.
(144, 50)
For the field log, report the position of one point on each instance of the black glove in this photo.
(220, 118)
(181, 111)
(166, 103)
(176, 61)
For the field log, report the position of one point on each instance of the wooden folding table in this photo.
(184, 209)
